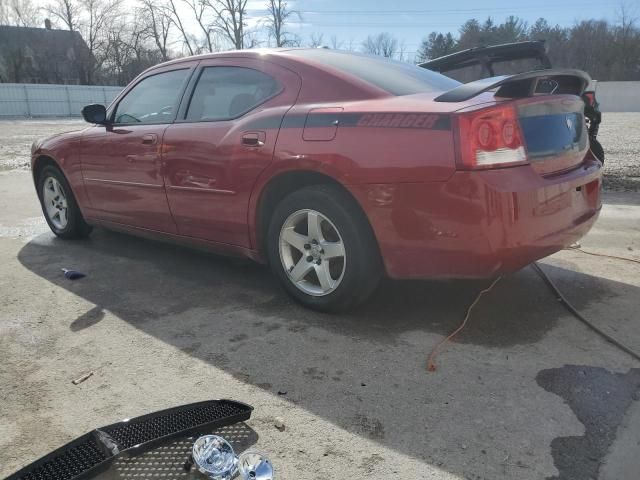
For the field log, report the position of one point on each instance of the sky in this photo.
(412, 20)
(350, 21)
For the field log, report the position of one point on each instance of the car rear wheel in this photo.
(59, 205)
(322, 249)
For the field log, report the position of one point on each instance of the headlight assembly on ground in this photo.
(215, 457)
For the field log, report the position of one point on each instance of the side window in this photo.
(223, 93)
(152, 100)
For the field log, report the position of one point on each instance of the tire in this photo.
(56, 198)
(293, 249)
(597, 150)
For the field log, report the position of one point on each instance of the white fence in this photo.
(35, 100)
(618, 96)
(40, 100)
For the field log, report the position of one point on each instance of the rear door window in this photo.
(224, 93)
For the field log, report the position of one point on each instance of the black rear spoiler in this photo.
(487, 56)
(528, 84)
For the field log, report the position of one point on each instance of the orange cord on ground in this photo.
(431, 365)
(626, 259)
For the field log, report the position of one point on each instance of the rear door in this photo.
(223, 139)
(121, 162)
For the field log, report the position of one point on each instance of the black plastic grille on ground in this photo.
(166, 462)
(91, 453)
(134, 433)
(70, 463)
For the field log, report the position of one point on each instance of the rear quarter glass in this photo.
(397, 78)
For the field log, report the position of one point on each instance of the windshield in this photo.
(397, 78)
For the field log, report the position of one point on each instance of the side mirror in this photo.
(95, 113)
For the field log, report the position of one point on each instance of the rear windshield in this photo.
(397, 78)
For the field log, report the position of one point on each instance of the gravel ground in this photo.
(620, 137)
(18, 135)
(619, 134)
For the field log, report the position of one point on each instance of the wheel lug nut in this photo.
(307, 246)
(318, 262)
(309, 258)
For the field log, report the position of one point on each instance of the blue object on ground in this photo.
(72, 274)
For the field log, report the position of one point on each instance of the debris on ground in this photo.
(279, 424)
(72, 274)
(82, 378)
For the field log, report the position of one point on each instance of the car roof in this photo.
(248, 53)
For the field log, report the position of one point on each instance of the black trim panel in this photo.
(416, 120)
(95, 451)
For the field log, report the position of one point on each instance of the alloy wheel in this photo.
(312, 252)
(55, 203)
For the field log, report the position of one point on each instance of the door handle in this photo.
(253, 139)
(149, 139)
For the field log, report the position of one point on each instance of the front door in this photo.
(223, 138)
(121, 162)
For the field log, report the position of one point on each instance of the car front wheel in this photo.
(59, 205)
(322, 249)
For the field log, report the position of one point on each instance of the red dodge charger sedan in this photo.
(334, 168)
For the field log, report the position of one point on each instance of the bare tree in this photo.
(157, 22)
(100, 17)
(126, 54)
(335, 43)
(401, 54)
(230, 21)
(383, 44)
(187, 39)
(117, 51)
(316, 40)
(21, 13)
(130, 49)
(200, 11)
(350, 45)
(66, 11)
(627, 42)
(5, 14)
(279, 13)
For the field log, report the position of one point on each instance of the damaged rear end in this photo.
(526, 152)
(523, 183)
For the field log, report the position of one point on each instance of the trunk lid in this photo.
(554, 131)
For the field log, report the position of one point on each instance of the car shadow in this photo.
(363, 371)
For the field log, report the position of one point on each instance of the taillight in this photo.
(490, 138)
(590, 97)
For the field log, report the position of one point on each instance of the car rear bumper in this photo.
(480, 224)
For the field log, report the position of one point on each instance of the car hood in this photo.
(52, 141)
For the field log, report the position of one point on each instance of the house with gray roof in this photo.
(43, 55)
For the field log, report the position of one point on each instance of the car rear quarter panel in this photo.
(384, 140)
